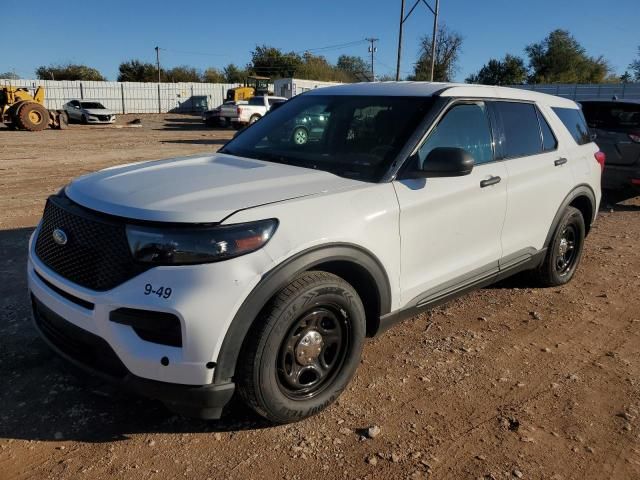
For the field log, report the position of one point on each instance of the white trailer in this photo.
(290, 87)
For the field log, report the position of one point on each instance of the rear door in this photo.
(539, 176)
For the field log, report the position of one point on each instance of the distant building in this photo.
(290, 87)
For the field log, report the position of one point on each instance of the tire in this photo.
(559, 268)
(84, 119)
(300, 136)
(32, 116)
(304, 349)
(254, 119)
(63, 120)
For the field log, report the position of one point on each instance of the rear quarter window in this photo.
(573, 119)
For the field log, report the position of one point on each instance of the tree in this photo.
(626, 77)
(137, 71)
(448, 48)
(272, 62)
(508, 71)
(68, 72)
(559, 58)
(183, 73)
(10, 76)
(213, 75)
(354, 67)
(234, 74)
(635, 67)
(315, 67)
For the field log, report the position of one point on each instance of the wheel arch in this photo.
(354, 264)
(581, 197)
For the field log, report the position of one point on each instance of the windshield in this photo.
(352, 136)
(92, 105)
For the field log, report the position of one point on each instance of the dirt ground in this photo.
(507, 382)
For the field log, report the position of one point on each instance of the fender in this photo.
(278, 278)
(580, 190)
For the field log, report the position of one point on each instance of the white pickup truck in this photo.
(250, 112)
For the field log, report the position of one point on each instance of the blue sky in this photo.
(216, 32)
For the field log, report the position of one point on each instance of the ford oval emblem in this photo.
(59, 236)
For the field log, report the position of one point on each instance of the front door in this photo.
(450, 228)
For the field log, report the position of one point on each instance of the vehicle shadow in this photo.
(185, 124)
(43, 399)
(619, 201)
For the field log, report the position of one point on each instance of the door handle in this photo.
(560, 161)
(489, 181)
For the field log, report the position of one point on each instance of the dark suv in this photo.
(616, 124)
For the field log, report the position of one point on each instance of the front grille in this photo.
(76, 343)
(96, 254)
(104, 118)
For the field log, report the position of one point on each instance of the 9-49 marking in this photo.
(161, 292)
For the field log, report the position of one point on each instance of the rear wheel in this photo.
(565, 250)
(304, 350)
(32, 117)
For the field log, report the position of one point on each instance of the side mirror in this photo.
(445, 162)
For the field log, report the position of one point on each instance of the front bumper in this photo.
(93, 355)
(97, 120)
(204, 298)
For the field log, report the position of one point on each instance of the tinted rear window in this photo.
(612, 115)
(574, 120)
(521, 129)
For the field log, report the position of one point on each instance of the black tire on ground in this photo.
(254, 118)
(304, 348)
(565, 250)
(84, 119)
(32, 116)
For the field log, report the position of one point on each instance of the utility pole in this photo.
(400, 40)
(159, 79)
(372, 49)
(404, 18)
(433, 38)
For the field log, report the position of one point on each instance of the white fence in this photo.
(586, 91)
(131, 97)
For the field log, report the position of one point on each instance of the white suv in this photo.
(261, 269)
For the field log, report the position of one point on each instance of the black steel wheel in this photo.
(564, 251)
(303, 351)
(313, 351)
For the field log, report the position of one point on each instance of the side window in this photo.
(549, 142)
(521, 129)
(575, 123)
(464, 126)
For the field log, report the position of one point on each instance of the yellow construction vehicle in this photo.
(252, 86)
(21, 110)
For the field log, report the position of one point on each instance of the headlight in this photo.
(191, 245)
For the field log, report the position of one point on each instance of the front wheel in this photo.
(565, 250)
(254, 119)
(303, 351)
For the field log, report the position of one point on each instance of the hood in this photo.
(203, 189)
(98, 111)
